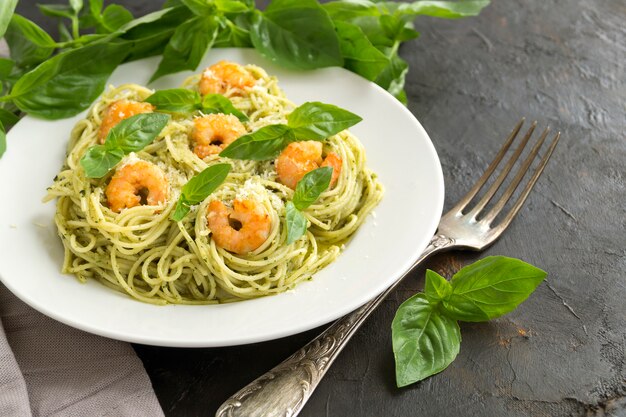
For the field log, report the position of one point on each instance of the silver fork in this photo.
(285, 389)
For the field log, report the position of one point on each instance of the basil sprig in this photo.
(198, 188)
(129, 135)
(425, 333)
(307, 191)
(59, 78)
(182, 100)
(310, 121)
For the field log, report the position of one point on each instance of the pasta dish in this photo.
(145, 226)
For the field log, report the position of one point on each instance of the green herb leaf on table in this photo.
(425, 333)
(296, 34)
(440, 9)
(296, 223)
(437, 288)
(490, 288)
(198, 188)
(199, 7)
(67, 83)
(129, 135)
(425, 341)
(360, 56)
(260, 145)
(28, 43)
(3, 140)
(318, 121)
(7, 118)
(56, 10)
(217, 103)
(6, 12)
(113, 18)
(342, 10)
(231, 6)
(188, 45)
(175, 100)
(310, 187)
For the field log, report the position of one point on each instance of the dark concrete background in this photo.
(562, 352)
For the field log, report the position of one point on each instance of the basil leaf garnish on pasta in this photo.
(198, 188)
(98, 160)
(217, 103)
(175, 100)
(260, 145)
(310, 187)
(308, 190)
(296, 223)
(129, 135)
(310, 121)
(182, 100)
(136, 132)
(317, 121)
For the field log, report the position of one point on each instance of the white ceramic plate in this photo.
(398, 149)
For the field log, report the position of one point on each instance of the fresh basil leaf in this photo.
(371, 26)
(7, 118)
(231, 6)
(3, 140)
(296, 34)
(393, 77)
(98, 160)
(136, 132)
(6, 12)
(360, 56)
(310, 187)
(114, 17)
(441, 9)
(28, 43)
(232, 35)
(437, 288)
(397, 29)
(342, 10)
(181, 210)
(263, 144)
(56, 10)
(217, 103)
(202, 185)
(95, 7)
(424, 341)
(296, 223)
(200, 7)
(148, 35)
(490, 288)
(318, 121)
(176, 100)
(187, 46)
(76, 5)
(6, 66)
(67, 83)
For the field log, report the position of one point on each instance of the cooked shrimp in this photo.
(241, 229)
(118, 111)
(220, 77)
(136, 183)
(214, 132)
(298, 158)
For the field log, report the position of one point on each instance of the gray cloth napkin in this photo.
(50, 369)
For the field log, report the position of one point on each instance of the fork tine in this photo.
(505, 172)
(521, 172)
(492, 167)
(522, 198)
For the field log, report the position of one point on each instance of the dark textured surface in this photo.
(563, 351)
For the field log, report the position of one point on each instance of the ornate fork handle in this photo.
(283, 391)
